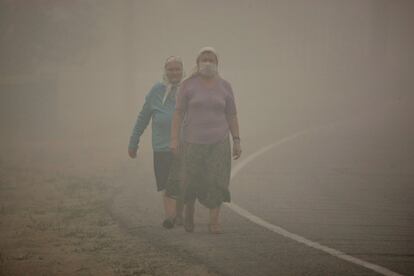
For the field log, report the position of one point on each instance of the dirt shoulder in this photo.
(54, 220)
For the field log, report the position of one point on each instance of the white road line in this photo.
(279, 230)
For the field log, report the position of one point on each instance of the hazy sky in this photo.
(82, 68)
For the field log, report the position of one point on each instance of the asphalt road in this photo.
(348, 186)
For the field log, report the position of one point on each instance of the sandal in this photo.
(188, 225)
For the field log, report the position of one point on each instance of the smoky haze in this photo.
(79, 70)
(74, 76)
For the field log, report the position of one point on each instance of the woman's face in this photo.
(174, 71)
(207, 64)
(207, 57)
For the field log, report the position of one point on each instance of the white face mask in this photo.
(207, 69)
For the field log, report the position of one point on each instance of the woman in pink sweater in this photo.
(205, 115)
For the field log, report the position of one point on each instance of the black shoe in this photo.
(168, 223)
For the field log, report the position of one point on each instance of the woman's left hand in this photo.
(236, 150)
(174, 147)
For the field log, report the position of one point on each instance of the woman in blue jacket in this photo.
(159, 107)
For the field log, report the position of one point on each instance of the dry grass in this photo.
(54, 217)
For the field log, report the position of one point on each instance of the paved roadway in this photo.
(348, 186)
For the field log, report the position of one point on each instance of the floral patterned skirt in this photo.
(207, 170)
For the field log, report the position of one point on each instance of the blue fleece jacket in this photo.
(161, 115)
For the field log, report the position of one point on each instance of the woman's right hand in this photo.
(132, 153)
